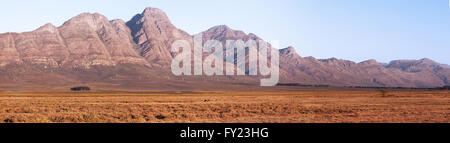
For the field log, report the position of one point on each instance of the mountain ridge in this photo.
(89, 41)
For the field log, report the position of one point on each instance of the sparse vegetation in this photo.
(160, 117)
(80, 88)
(384, 93)
(235, 107)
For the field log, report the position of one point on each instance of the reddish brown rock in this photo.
(154, 34)
(83, 42)
(136, 54)
(8, 51)
(347, 73)
(223, 33)
(119, 43)
(43, 46)
(93, 40)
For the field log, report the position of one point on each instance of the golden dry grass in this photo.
(221, 106)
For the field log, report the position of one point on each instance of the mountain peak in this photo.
(370, 62)
(152, 10)
(222, 32)
(253, 35)
(221, 29)
(48, 27)
(117, 21)
(153, 22)
(427, 61)
(288, 51)
(92, 19)
(155, 13)
(153, 32)
(87, 15)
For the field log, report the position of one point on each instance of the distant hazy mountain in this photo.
(90, 49)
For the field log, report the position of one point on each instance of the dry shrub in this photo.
(259, 107)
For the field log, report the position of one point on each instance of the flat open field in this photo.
(221, 106)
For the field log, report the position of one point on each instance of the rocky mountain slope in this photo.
(90, 49)
(368, 73)
(154, 34)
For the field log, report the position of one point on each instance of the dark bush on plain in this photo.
(80, 88)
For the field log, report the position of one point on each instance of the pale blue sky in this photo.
(347, 29)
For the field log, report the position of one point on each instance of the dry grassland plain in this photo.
(229, 107)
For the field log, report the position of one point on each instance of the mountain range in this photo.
(91, 50)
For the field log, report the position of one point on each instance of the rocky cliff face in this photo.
(84, 41)
(423, 67)
(138, 52)
(43, 46)
(8, 50)
(368, 73)
(296, 69)
(154, 34)
(223, 33)
(93, 40)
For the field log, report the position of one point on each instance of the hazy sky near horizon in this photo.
(355, 30)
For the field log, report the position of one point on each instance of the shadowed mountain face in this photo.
(90, 49)
(154, 34)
